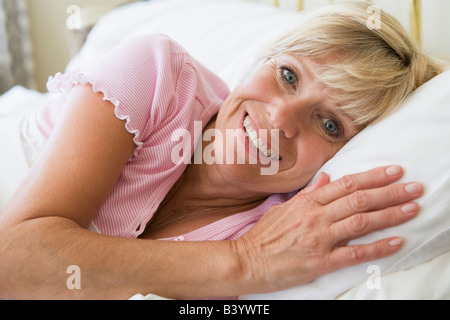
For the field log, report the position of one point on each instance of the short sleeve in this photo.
(139, 77)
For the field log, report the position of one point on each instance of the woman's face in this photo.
(281, 97)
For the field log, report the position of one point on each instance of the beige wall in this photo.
(50, 35)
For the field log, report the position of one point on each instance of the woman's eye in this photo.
(289, 76)
(331, 127)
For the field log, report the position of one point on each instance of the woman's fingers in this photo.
(375, 178)
(322, 180)
(373, 200)
(368, 210)
(343, 257)
(364, 223)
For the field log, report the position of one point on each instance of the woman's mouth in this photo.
(257, 143)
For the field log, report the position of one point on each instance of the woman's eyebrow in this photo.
(350, 128)
(303, 68)
(299, 68)
(346, 120)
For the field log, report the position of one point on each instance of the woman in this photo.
(109, 164)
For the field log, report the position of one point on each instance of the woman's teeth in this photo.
(256, 143)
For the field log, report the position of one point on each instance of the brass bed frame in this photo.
(415, 16)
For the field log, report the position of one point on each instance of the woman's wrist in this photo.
(217, 270)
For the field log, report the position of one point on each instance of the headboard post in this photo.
(299, 4)
(415, 14)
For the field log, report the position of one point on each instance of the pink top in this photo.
(157, 87)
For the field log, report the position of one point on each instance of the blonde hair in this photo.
(372, 71)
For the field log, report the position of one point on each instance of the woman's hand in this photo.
(306, 237)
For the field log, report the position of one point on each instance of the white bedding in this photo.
(226, 36)
(426, 281)
(20, 139)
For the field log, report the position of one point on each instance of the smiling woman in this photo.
(301, 113)
(228, 229)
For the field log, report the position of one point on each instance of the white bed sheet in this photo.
(20, 138)
(427, 281)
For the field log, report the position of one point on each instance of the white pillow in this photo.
(416, 137)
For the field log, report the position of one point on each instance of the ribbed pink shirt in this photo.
(157, 87)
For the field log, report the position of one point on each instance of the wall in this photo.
(50, 35)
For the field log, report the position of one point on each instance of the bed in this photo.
(226, 36)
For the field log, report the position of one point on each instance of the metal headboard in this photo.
(415, 16)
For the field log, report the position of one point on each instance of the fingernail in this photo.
(410, 208)
(414, 188)
(394, 170)
(396, 242)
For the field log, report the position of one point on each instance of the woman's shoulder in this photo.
(177, 64)
(153, 39)
(155, 45)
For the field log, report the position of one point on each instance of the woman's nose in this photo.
(285, 116)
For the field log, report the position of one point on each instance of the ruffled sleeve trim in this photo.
(64, 83)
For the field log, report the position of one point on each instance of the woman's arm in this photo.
(42, 230)
(36, 255)
(79, 166)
